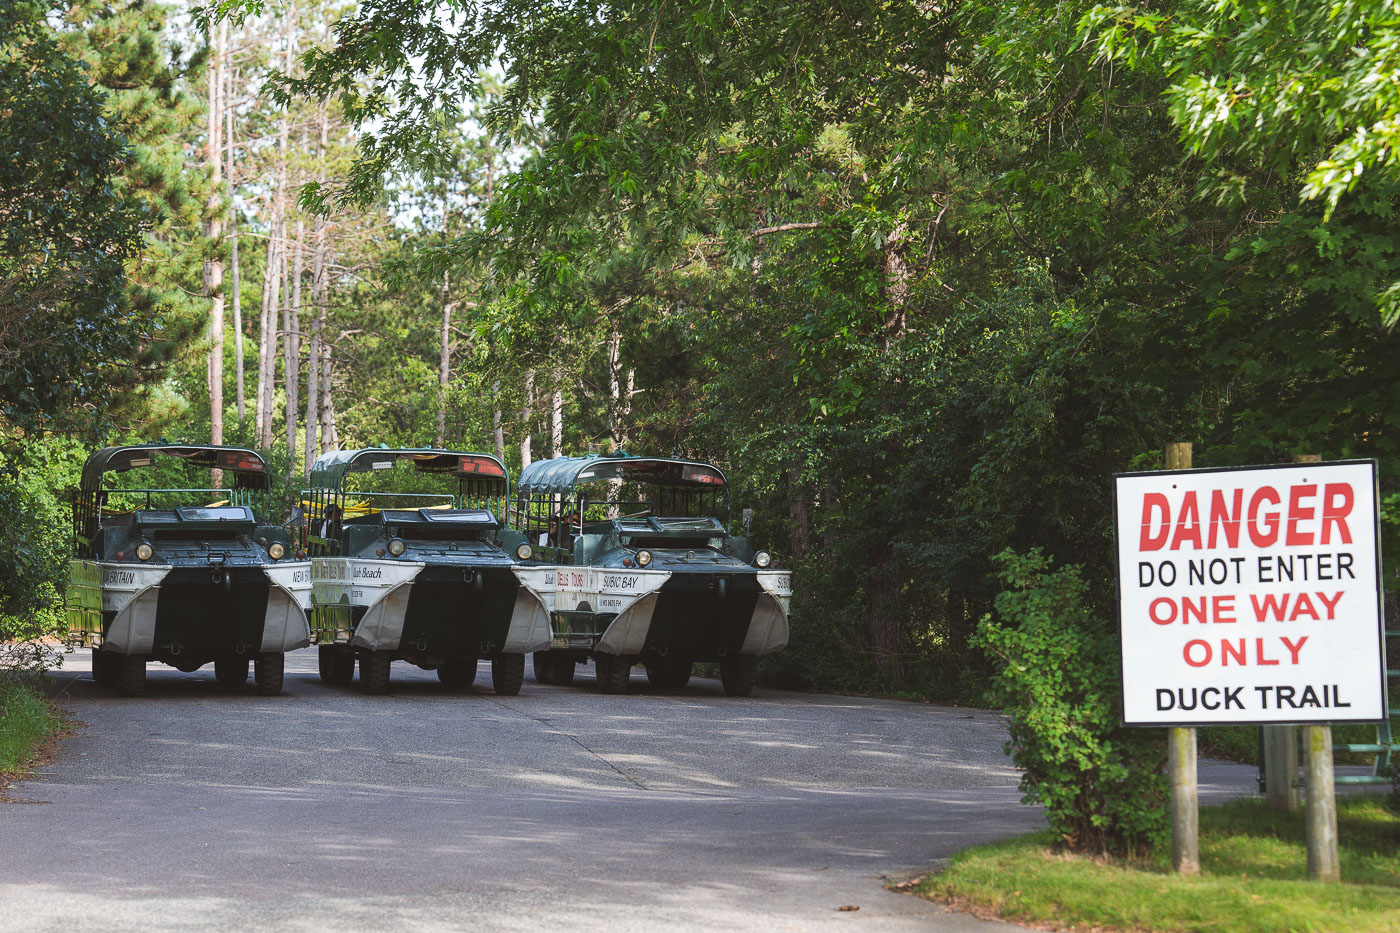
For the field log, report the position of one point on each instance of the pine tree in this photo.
(147, 79)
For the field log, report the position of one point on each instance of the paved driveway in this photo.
(197, 808)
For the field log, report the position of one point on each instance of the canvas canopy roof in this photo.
(562, 474)
(248, 465)
(330, 469)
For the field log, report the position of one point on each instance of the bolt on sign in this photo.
(1250, 595)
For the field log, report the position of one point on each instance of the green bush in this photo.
(1102, 786)
(34, 548)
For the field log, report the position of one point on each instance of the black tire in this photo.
(342, 666)
(231, 671)
(131, 674)
(543, 664)
(267, 672)
(458, 672)
(563, 672)
(374, 672)
(554, 667)
(668, 675)
(739, 674)
(614, 673)
(325, 663)
(507, 674)
(104, 667)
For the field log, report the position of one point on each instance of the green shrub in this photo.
(34, 548)
(1102, 785)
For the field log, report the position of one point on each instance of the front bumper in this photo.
(386, 605)
(627, 612)
(119, 605)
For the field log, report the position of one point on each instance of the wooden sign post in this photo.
(1181, 753)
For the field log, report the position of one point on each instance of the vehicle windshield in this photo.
(695, 509)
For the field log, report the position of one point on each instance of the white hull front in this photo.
(132, 591)
(631, 596)
(768, 629)
(285, 625)
(382, 588)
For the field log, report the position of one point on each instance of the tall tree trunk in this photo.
(617, 428)
(801, 518)
(272, 306)
(444, 358)
(885, 596)
(330, 439)
(213, 230)
(556, 413)
(313, 356)
(278, 232)
(291, 361)
(320, 284)
(885, 611)
(498, 431)
(526, 416)
(897, 275)
(233, 245)
(260, 394)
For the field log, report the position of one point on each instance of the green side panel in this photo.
(82, 603)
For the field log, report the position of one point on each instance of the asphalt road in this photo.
(200, 808)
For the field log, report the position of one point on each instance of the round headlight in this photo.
(396, 546)
(643, 557)
(763, 559)
(276, 550)
(143, 551)
(524, 551)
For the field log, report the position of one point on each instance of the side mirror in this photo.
(748, 521)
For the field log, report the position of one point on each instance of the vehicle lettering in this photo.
(618, 582)
(301, 576)
(119, 577)
(369, 573)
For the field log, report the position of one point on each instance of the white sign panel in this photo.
(1251, 595)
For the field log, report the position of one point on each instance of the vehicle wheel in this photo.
(507, 674)
(103, 667)
(739, 674)
(458, 672)
(554, 667)
(131, 674)
(342, 666)
(563, 668)
(668, 675)
(325, 663)
(614, 672)
(267, 672)
(374, 672)
(231, 671)
(543, 664)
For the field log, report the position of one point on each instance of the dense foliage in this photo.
(920, 277)
(65, 233)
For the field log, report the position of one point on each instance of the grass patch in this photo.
(1254, 878)
(27, 723)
